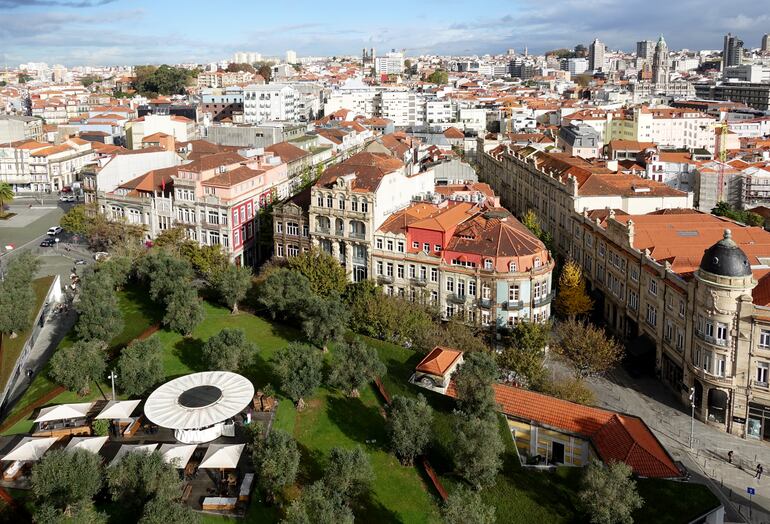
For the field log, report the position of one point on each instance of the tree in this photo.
(464, 506)
(353, 365)
(101, 427)
(99, 315)
(205, 260)
(525, 354)
(24, 78)
(184, 310)
(319, 504)
(17, 298)
(63, 478)
(747, 217)
(140, 366)
(231, 284)
(439, 76)
(609, 494)
(163, 80)
(409, 420)
(572, 389)
(477, 448)
(78, 513)
(324, 272)
(228, 350)
(164, 273)
(159, 511)
(324, 320)
(572, 299)
(283, 292)
(299, 368)
(6, 195)
(531, 222)
(117, 267)
(171, 240)
(276, 459)
(473, 382)
(77, 366)
(587, 347)
(140, 477)
(89, 80)
(349, 472)
(234, 68)
(265, 70)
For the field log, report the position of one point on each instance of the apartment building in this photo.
(267, 102)
(403, 108)
(472, 260)
(179, 127)
(17, 128)
(390, 64)
(37, 166)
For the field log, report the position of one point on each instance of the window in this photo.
(423, 273)
(341, 202)
(450, 284)
(320, 201)
(488, 263)
(354, 204)
(696, 359)
(433, 297)
(401, 246)
(633, 300)
(669, 331)
(537, 262)
(707, 361)
(681, 308)
(512, 267)
(461, 288)
(484, 318)
(389, 269)
(486, 292)
(601, 249)
(329, 201)
(763, 368)
(635, 274)
(764, 338)
(292, 228)
(472, 288)
(378, 243)
(679, 339)
(415, 245)
(280, 250)
(279, 227)
(653, 287)
(389, 245)
(305, 230)
(364, 206)
(379, 267)
(721, 331)
(433, 274)
(426, 247)
(513, 292)
(437, 248)
(400, 271)
(213, 217)
(720, 365)
(652, 315)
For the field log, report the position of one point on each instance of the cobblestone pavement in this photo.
(670, 420)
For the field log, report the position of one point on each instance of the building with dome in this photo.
(660, 65)
(690, 292)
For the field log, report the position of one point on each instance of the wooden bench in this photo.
(245, 491)
(132, 428)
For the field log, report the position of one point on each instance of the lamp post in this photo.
(112, 378)
(692, 416)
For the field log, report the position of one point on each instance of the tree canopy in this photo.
(99, 314)
(477, 448)
(300, 370)
(319, 504)
(63, 478)
(228, 350)
(324, 320)
(353, 365)
(324, 273)
(609, 494)
(184, 310)
(439, 76)
(284, 292)
(140, 366)
(349, 471)
(587, 348)
(473, 382)
(524, 355)
(407, 421)
(231, 284)
(78, 366)
(160, 511)
(749, 218)
(139, 477)
(572, 300)
(276, 460)
(163, 80)
(464, 506)
(17, 298)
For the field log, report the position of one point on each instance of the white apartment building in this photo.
(390, 64)
(181, 128)
(403, 108)
(262, 103)
(441, 111)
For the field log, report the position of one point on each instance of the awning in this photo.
(125, 449)
(118, 409)
(64, 412)
(177, 454)
(92, 444)
(222, 456)
(30, 448)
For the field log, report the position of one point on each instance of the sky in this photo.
(130, 32)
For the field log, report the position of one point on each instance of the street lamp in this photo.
(692, 416)
(112, 378)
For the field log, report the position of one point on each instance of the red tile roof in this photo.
(439, 361)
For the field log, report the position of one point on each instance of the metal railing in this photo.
(512, 305)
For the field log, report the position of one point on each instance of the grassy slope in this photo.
(12, 346)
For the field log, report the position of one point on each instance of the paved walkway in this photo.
(648, 398)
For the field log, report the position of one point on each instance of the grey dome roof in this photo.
(726, 259)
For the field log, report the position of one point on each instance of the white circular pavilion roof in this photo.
(199, 400)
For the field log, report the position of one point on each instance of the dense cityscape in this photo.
(394, 283)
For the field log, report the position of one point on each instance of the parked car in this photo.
(67, 198)
(101, 255)
(53, 231)
(47, 242)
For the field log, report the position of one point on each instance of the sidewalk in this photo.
(670, 421)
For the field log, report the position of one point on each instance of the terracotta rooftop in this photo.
(453, 132)
(368, 168)
(439, 360)
(288, 152)
(615, 436)
(233, 177)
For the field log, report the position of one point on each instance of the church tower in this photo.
(660, 67)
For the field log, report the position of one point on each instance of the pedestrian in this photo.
(760, 469)
(730, 457)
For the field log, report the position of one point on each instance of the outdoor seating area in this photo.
(64, 419)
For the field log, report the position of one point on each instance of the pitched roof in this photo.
(453, 132)
(153, 180)
(368, 168)
(233, 177)
(495, 234)
(288, 152)
(615, 436)
(212, 161)
(439, 360)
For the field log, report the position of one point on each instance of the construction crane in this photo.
(721, 137)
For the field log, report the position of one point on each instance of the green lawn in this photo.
(11, 347)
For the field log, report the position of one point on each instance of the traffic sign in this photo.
(751, 491)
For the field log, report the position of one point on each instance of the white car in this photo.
(67, 198)
(53, 231)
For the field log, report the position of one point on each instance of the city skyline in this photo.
(105, 32)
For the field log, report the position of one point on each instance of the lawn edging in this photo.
(32, 406)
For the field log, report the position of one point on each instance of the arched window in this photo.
(357, 229)
(354, 204)
(488, 263)
(364, 206)
(512, 267)
(537, 262)
(323, 224)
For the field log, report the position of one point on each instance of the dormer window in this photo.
(537, 262)
(488, 263)
(512, 267)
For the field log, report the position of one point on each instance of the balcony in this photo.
(385, 279)
(722, 342)
(513, 305)
(416, 281)
(544, 299)
(714, 379)
(323, 230)
(485, 303)
(455, 298)
(356, 234)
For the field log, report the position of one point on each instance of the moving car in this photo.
(53, 231)
(47, 242)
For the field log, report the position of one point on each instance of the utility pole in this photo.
(112, 378)
(692, 416)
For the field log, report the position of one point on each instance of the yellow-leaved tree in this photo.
(572, 300)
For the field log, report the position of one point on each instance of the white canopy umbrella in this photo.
(118, 409)
(64, 411)
(92, 444)
(30, 448)
(125, 449)
(177, 454)
(222, 456)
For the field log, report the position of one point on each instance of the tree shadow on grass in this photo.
(260, 371)
(284, 331)
(190, 353)
(310, 465)
(358, 421)
(138, 294)
(368, 509)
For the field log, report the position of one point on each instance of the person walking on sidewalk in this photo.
(760, 469)
(730, 457)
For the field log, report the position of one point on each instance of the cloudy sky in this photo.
(103, 32)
